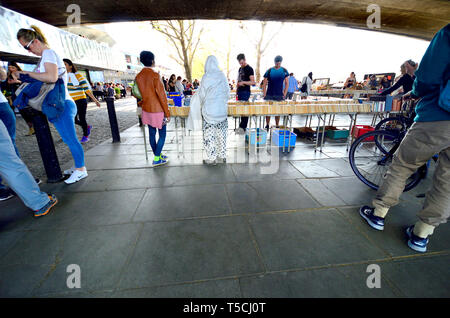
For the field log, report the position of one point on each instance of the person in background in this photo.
(373, 84)
(123, 91)
(429, 135)
(188, 89)
(399, 91)
(306, 84)
(179, 88)
(172, 81)
(98, 91)
(214, 94)
(49, 70)
(155, 109)
(14, 83)
(275, 79)
(196, 84)
(166, 88)
(110, 90)
(246, 79)
(230, 85)
(117, 90)
(385, 83)
(78, 88)
(293, 86)
(351, 81)
(406, 81)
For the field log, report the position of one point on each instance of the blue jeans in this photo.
(9, 120)
(157, 146)
(66, 129)
(19, 178)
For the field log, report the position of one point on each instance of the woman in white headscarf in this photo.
(213, 95)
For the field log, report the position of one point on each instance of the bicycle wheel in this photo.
(395, 125)
(370, 162)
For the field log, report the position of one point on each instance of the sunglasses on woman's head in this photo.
(27, 47)
(412, 63)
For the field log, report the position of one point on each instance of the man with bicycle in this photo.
(429, 135)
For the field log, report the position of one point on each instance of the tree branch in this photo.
(268, 42)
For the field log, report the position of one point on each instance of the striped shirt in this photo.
(77, 86)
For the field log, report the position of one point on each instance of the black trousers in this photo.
(80, 118)
(243, 96)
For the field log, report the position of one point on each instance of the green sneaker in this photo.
(160, 162)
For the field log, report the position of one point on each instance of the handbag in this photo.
(36, 102)
(135, 91)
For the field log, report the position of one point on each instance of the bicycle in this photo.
(371, 154)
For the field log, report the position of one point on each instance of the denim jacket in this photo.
(54, 102)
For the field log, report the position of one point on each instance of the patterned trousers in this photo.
(215, 139)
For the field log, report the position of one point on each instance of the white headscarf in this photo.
(214, 92)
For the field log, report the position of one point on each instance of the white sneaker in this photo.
(76, 176)
(68, 172)
(239, 131)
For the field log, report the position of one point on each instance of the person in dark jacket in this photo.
(406, 81)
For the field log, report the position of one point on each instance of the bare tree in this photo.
(182, 35)
(260, 44)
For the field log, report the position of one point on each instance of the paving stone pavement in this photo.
(234, 230)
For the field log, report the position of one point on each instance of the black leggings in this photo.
(27, 115)
(80, 118)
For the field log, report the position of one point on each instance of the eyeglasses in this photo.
(27, 47)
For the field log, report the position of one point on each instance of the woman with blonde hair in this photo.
(51, 69)
(407, 79)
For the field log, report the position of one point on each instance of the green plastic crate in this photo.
(337, 134)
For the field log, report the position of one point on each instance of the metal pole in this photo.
(323, 132)
(47, 148)
(113, 119)
(284, 135)
(290, 128)
(182, 134)
(176, 136)
(145, 142)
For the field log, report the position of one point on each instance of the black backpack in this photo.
(304, 87)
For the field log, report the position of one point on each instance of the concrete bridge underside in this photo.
(415, 18)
